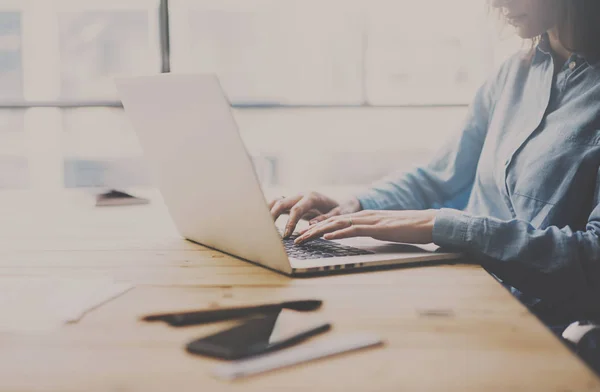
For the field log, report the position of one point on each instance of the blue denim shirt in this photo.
(518, 186)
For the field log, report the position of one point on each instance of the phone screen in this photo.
(260, 334)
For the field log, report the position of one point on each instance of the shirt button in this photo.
(572, 65)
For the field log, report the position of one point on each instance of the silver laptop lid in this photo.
(200, 164)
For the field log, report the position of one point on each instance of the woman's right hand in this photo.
(314, 206)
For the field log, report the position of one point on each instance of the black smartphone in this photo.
(260, 335)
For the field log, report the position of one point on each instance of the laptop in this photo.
(202, 168)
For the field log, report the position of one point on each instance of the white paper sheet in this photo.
(32, 304)
(320, 348)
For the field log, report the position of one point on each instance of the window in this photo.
(338, 52)
(11, 76)
(426, 52)
(364, 84)
(98, 44)
(274, 52)
(98, 41)
(13, 165)
(56, 54)
(325, 91)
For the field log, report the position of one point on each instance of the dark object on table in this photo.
(118, 198)
(259, 335)
(210, 316)
(589, 349)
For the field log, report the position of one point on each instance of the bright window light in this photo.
(309, 80)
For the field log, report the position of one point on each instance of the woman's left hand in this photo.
(415, 227)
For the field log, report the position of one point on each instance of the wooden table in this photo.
(447, 328)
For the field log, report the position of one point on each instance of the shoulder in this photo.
(512, 68)
(511, 74)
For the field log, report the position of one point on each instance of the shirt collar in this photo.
(544, 45)
(543, 50)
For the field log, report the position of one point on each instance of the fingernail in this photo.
(287, 232)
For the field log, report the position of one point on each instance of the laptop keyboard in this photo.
(319, 249)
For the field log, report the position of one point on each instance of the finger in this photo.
(323, 228)
(272, 202)
(312, 225)
(284, 205)
(312, 214)
(335, 223)
(296, 213)
(349, 232)
(335, 212)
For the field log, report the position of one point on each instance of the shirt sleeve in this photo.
(553, 264)
(450, 174)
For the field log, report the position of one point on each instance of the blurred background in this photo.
(326, 92)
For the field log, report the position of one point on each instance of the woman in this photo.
(518, 189)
